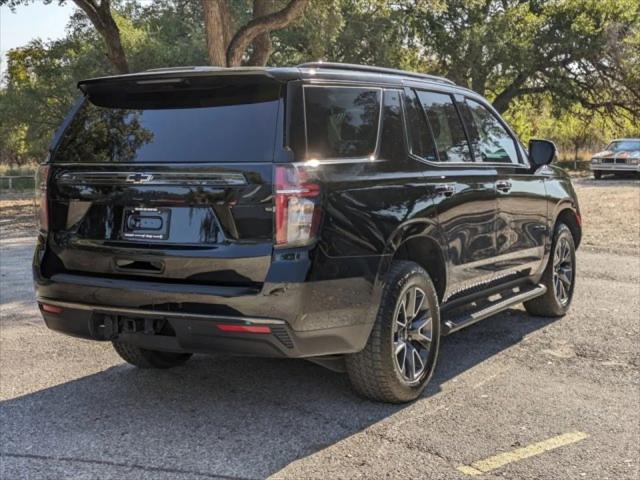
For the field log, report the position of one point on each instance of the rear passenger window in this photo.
(446, 125)
(392, 143)
(490, 140)
(419, 135)
(342, 122)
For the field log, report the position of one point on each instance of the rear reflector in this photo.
(50, 308)
(228, 327)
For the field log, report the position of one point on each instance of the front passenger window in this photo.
(491, 141)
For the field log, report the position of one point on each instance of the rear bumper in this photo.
(309, 313)
(196, 333)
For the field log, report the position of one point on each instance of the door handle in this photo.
(504, 186)
(446, 189)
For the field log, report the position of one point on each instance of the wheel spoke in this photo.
(401, 355)
(411, 362)
(417, 363)
(556, 285)
(421, 332)
(411, 303)
(401, 319)
(564, 274)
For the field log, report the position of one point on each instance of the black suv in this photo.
(345, 214)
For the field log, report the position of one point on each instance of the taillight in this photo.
(41, 200)
(297, 206)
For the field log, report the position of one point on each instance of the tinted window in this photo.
(392, 143)
(341, 121)
(490, 140)
(226, 125)
(451, 141)
(421, 140)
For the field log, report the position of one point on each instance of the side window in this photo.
(491, 141)
(342, 122)
(446, 125)
(420, 138)
(392, 144)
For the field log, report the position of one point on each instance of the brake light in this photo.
(41, 199)
(297, 206)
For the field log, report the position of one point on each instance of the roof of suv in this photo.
(305, 71)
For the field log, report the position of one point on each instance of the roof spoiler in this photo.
(167, 78)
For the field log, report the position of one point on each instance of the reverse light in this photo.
(41, 198)
(297, 206)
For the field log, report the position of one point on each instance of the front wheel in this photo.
(597, 175)
(402, 350)
(143, 358)
(559, 277)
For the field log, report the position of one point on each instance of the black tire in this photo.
(143, 358)
(375, 372)
(597, 175)
(551, 304)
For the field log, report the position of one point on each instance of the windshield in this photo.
(223, 125)
(624, 145)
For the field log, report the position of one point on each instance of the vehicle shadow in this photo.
(228, 417)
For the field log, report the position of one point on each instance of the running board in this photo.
(469, 318)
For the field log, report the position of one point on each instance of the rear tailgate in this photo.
(168, 180)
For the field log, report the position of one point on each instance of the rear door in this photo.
(522, 223)
(168, 180)
(465, 195)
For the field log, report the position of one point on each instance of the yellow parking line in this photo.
(502, 459)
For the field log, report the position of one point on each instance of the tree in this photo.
(577, 51)
(226, 48)
(100, 14)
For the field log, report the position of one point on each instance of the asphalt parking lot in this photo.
(71, 408)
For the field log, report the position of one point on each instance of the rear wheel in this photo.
(143, 358)
(597, 175)
(401, 352)
(559, 277)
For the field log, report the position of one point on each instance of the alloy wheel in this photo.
(562, 270)
(412, 335)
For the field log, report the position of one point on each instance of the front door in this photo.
(522, 221)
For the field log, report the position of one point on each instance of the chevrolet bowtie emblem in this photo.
(139, 178)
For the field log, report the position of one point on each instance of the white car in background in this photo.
(620, 156)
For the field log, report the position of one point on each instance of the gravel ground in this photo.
(70, 408)
(610, 213)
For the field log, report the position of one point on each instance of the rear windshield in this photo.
(230, 124)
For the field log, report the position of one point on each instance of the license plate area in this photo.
(141, 223)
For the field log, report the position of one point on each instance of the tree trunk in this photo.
(262, 45)
(258, 26)
(115, 52)
(217, 24)
(100, 16)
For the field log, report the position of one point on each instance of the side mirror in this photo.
(541, 152)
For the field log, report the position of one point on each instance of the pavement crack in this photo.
(137, 466)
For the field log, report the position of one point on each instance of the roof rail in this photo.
(371, 69)
(186, 67)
